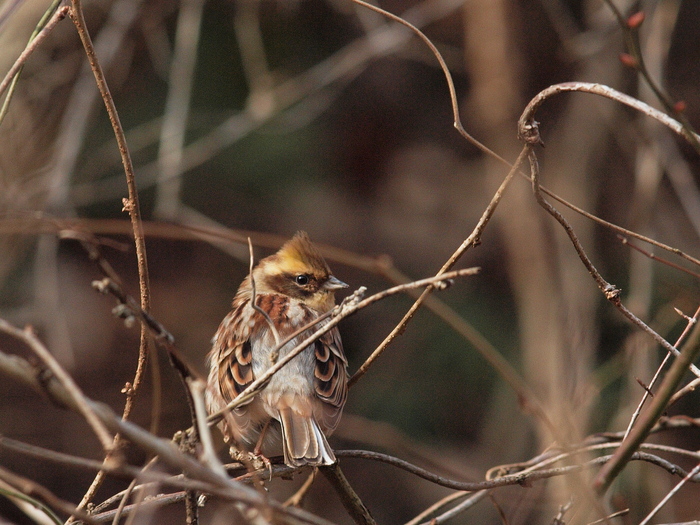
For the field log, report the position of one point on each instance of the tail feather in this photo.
(303, 441)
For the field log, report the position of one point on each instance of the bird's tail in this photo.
(303, 441)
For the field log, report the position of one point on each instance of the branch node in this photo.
(612, 292)
(529, 133)
(124, 312)
(102, 285)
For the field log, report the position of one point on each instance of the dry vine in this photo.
(192, 456)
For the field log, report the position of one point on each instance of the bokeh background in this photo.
(266, 117)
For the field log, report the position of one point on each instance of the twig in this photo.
(296, 499)
(35, 41)
(28, 337)
(437, 506)
(472, 240)
(611, 469)
(671, 493)
(523, 478)
(131, 204)
(528, 132)
(403, 20)
(351, 501)
(687, 389)
(197, 388)
(31, 507)
(527, 123)
(160, 500)
(122, 504)
(461, 507)
(124, 496)
(349, 306)
(647, 391)
(605, 519)
(197, 476)
(653, 257)
(631, 32)
(209, 457)
(31, 488)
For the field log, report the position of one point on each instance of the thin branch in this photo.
(349, 306)
(631, 32)
(647, 391)
(403, 20)
(209, 457)
(351, 501)
(528, 131)
(161, 500)
(122, 504)
(527, 123)
(523, 478)
(472, 240)
(28, 337)
(437, 506)
(131, 205)
(611, 469)
(671, 493)
(461, 507)
(33, 489)
(34, 43)
(653, 257)
(605, 519)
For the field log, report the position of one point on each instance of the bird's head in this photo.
(298, 270)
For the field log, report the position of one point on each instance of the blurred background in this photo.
(267, 117)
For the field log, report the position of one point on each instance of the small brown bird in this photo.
(293, 287)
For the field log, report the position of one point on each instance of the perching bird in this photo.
(305, 398)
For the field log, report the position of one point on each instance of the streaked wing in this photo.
(331, 378)
(233, 354)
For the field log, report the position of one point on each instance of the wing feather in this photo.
(331, 380)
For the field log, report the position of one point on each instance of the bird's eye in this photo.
(302, 279)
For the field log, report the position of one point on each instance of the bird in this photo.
(303, 402)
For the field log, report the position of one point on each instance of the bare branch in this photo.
(348, 307)
(59, 15)
(610, 470)
(79, 400)
(131, 205)
(351, 501)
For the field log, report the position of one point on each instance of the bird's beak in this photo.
(333, 283)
